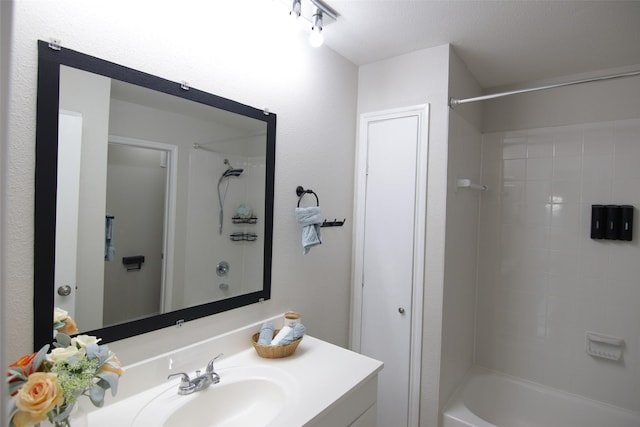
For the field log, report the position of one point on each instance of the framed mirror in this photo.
(153, 200)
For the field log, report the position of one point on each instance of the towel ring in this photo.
(301, 192)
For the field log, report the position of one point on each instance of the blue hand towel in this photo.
(294, 334)
(266, 333)
(109, 247)
(310, 218)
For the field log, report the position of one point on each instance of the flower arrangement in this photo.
(47, 384)
(62, 322)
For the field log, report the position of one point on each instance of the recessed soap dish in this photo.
(604, 346)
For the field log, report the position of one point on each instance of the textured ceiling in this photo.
(502, 42)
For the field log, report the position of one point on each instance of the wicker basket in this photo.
(274, 351)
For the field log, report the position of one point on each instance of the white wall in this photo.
(223, 49)
(542, 281)
(6, 14)
(459, 298)
(88, 94)
(459, 290)
(136, 188)
(417, 78)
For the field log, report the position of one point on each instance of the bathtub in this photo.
(491, 399)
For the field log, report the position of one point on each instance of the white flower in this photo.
(84, 340)
(59, 315)
(63, 353)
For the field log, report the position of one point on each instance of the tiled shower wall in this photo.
(542, 281)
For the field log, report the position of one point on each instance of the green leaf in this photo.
(40, 357)
(62, 340)
(111, 379)
(93, 351)
(12, 408)
(15, 386)
(96, 394)
(15, 373)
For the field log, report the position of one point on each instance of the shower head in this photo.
(232, 172)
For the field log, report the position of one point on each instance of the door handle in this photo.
(64, 291)
(401, 310)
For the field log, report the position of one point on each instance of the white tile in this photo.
(627, 149)
(538, 214)
(627, 191)
(539, 169)
(568, 144)
(597, 192)
(566, 192)
(626, 165)
(567, 168)
(598, 139)
(539, 148)
(536, 237)
(537, 192)
(513, 214)
(513, 170)
(536, 261)
(513, 192)
(597, 168)
(514, 151)
(565, 216)
(564, 238)
(564, 265)
(561, 287)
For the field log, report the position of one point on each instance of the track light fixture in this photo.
(296, 9)
(316, 38)
(315, 12)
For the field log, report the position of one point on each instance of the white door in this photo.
(67, 200)
(390, 256)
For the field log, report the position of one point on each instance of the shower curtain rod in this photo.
(454, 101)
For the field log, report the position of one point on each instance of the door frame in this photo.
(168, 240)
(420, 111)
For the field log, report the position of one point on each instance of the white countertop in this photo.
(323, 372)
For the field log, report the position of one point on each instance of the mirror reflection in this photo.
(162, 204)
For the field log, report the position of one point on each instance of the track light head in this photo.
(296, 9)
(316, 38)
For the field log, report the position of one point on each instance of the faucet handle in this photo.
(210, 364)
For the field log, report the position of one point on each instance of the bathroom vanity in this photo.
(321, 385)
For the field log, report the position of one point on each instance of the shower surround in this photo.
(206, 246)
(542, 282)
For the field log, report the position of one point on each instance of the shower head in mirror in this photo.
(231, 171)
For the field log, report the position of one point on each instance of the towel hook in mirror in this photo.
(300, 191)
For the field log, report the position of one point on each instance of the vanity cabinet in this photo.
(356, 409)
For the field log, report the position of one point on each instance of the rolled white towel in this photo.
(283, 333)
(295, 333)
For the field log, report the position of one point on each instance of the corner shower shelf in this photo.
(243, 237)
(240, 220)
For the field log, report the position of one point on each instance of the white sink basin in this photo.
(246, 396)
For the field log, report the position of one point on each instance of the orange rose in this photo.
(39, 395)
(113, 365)
(25, 363)
(69, 327)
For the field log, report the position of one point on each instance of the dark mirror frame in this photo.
(49, 62)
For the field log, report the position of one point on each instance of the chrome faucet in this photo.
(199, 382)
